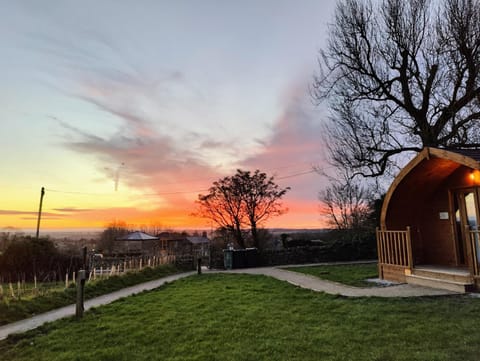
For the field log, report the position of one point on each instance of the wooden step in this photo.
(447, 275)
(461, 287)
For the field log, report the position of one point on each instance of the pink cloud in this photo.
(139, 156)
(294, 147)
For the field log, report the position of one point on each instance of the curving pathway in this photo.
(295, 278)
(334, 288)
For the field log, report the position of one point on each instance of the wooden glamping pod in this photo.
(429, 231)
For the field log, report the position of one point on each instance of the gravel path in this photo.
(295, 278)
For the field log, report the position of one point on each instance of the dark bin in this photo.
(240, 258)
(251, 257)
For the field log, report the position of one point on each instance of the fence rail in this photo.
(395, 248)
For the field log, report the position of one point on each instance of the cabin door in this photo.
(466, 204)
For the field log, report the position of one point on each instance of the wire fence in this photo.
(98, 271)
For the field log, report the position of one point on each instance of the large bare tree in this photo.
(400, 75)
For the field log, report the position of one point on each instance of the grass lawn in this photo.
(349, 274)
(245, 317)
(14, 310)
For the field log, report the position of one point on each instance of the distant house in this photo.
(136, 243)
(429, 231)
(200, 245)
(180, 244)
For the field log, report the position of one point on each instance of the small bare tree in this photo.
(110, 234)
(347, 203)
(224, 206)
(261, 199)
(240, 201)
(400, 75)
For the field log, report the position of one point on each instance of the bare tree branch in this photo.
(400, 75)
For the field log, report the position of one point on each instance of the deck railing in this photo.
(475, 247)
(395, 248)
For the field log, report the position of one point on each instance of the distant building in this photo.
(137, 244)
(182, 244)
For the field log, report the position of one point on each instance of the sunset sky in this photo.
(127, 110)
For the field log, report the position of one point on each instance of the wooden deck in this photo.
(395, 263)
(444, 277)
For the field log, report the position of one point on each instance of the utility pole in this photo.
(42, 193)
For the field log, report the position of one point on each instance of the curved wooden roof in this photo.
(419, 177)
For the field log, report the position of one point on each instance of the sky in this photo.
(127, 110)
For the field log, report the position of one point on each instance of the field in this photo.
(244, 317)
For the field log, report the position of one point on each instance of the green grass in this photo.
(245, 317)
(14, 310)
(351, 274)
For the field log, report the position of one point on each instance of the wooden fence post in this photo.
(409, 250)
(379, 253)
(80, 294)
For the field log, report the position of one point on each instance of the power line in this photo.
(79, 193)
(113, 194)
(171, 192)
(297, 174)
(177, 192)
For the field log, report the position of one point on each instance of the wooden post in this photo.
(66, 280)
(473, 235)
(80, 294)
(409, 250)
(199, 266)
(379, 253)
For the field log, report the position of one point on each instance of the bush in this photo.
(28, 257)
